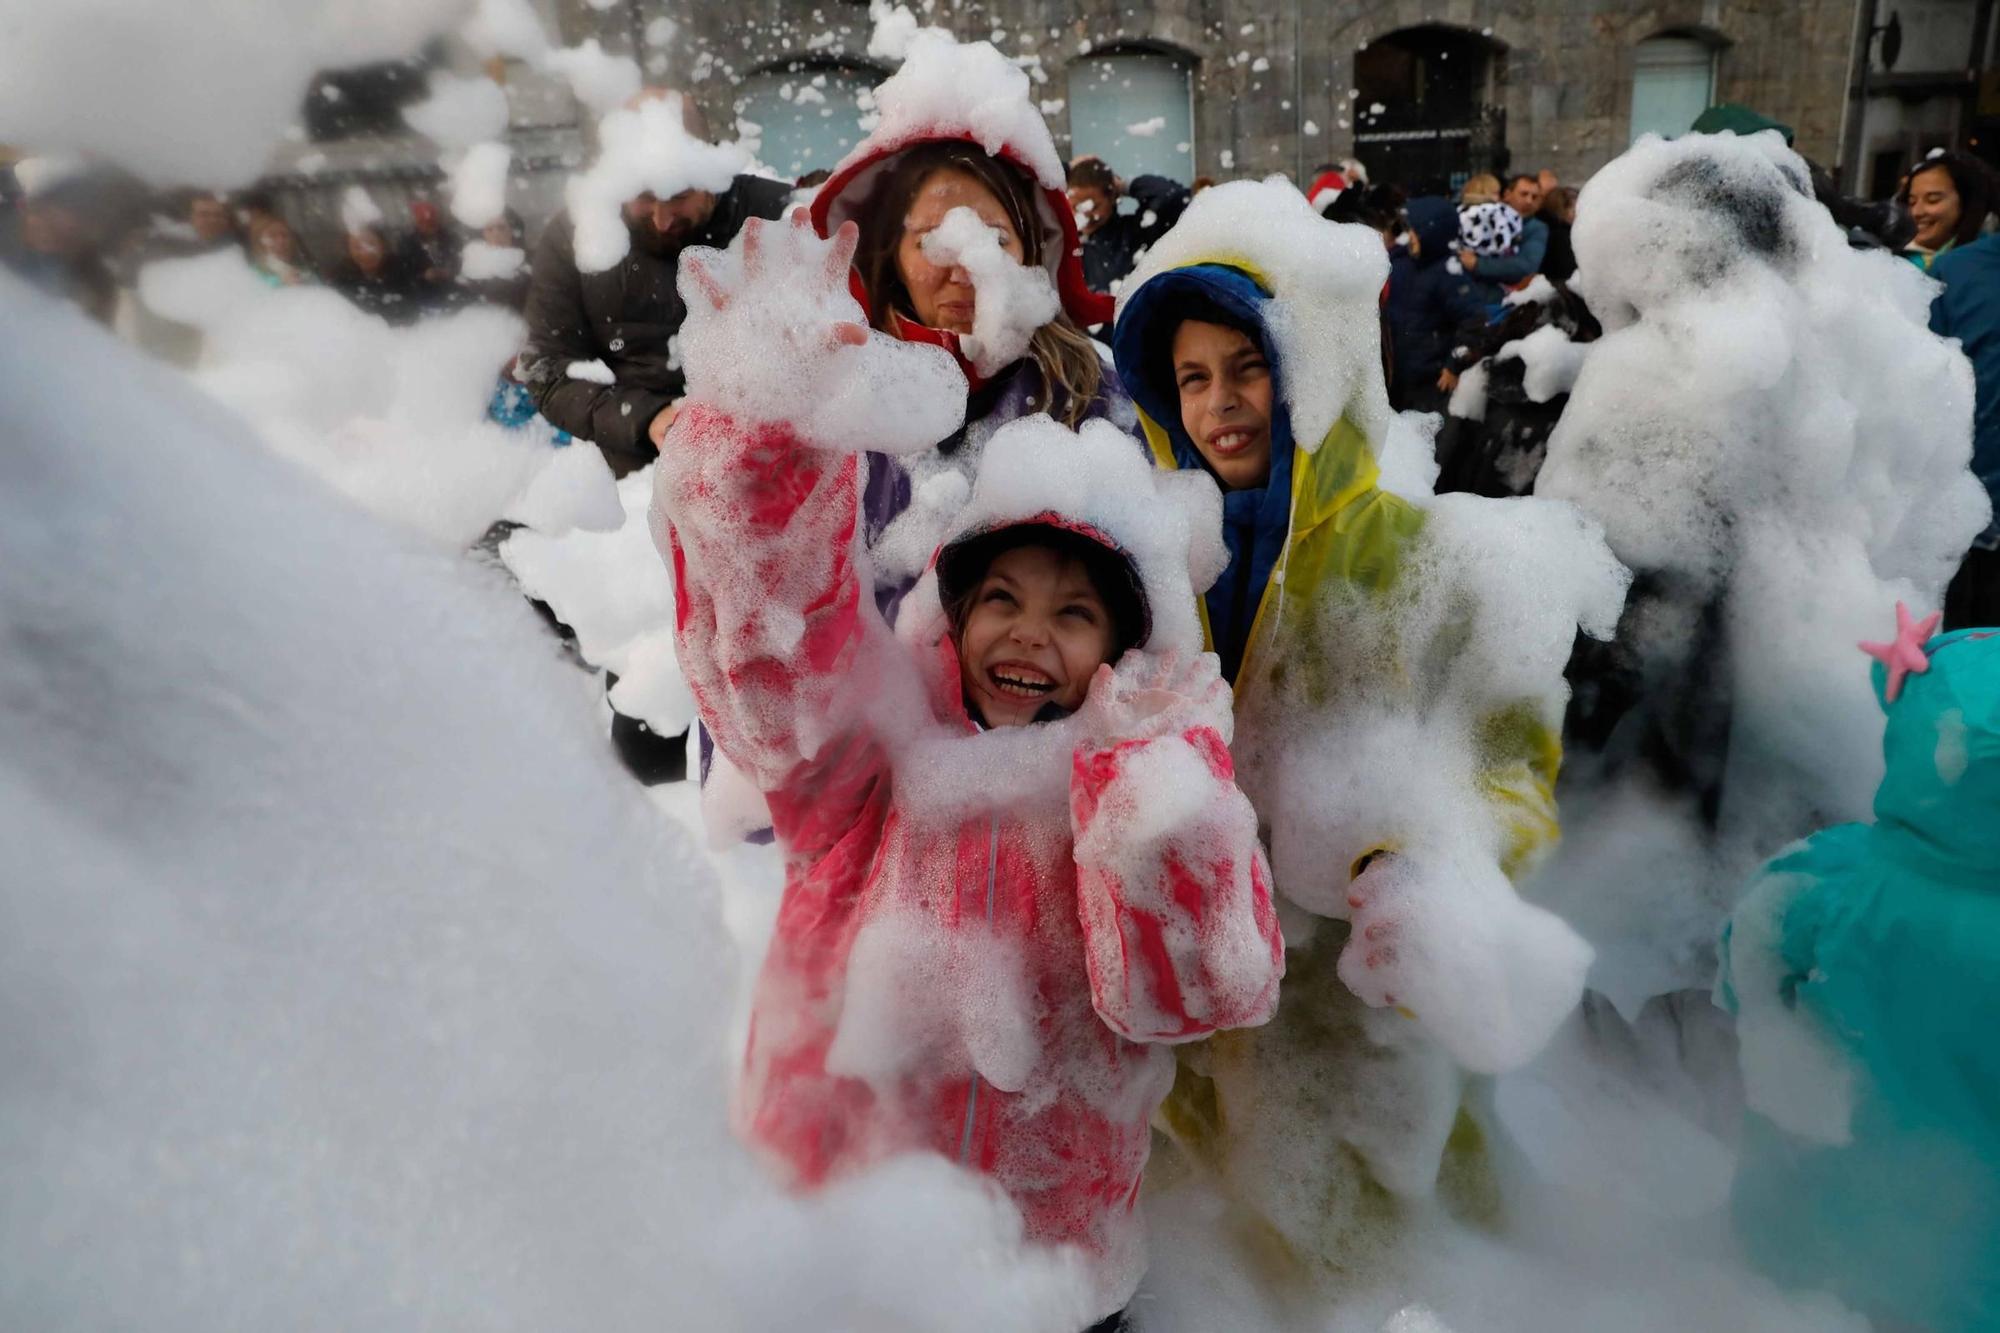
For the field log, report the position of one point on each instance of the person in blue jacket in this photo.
(1968, 309)
(1864, 967)
(1433, 305)
(1500, 272)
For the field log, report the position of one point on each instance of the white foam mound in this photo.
(1325, 280)
(347, 980)
(1488, 608)
(1169, 524)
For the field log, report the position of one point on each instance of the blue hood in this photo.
(1255, 521)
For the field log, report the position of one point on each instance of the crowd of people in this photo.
(83, 232)
(1082, 608)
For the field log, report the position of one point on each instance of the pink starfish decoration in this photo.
(1906, 654)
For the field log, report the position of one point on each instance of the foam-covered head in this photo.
(1035, 609)
(1690, 213)
(969, 93)
(1167, 526)
(1942, 747)
(1325, 279)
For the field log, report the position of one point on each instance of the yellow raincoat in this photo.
(1332, 1125)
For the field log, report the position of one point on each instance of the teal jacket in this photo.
(1882, 942)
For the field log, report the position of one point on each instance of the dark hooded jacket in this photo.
(1431, 308)
(624, 317)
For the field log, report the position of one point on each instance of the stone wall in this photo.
(1562, 69)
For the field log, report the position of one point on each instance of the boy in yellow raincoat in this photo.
(1398, 739)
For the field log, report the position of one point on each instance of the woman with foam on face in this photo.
(960, 131)
(984, 945)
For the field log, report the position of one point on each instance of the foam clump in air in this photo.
(894, 27)
(479, 184)
(1013, 299)
(358, 209)
(505, 28)
(600, 80)
(460, 111)
(641, 148)
(1325, 280)
(770, 351)
(480, 260)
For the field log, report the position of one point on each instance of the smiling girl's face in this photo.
(1225, 391)
(1034, 634)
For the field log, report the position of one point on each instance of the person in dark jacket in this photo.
(1432, 305)
(626, 317)
(1968, 309)
(1113, 241)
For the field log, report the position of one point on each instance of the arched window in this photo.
(1673, 82)
(808, 116)
(1134, 109)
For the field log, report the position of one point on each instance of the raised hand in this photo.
(1148, 695)
(1443, 938)
(774, 334)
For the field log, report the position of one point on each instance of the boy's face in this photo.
(1035, 634)
(1226, 399)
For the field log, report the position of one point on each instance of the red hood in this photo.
(848, 190)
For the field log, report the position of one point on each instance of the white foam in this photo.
(479, 184)
(1013, 300)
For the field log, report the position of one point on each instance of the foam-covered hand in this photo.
(1445, 939)
(1148, 695)
(773, 334)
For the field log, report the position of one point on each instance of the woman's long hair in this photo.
(1978, 191)
(1070, 368)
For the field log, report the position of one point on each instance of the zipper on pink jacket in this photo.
(972, 1092)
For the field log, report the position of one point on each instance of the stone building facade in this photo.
(1283, 85)
(1423, 91)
